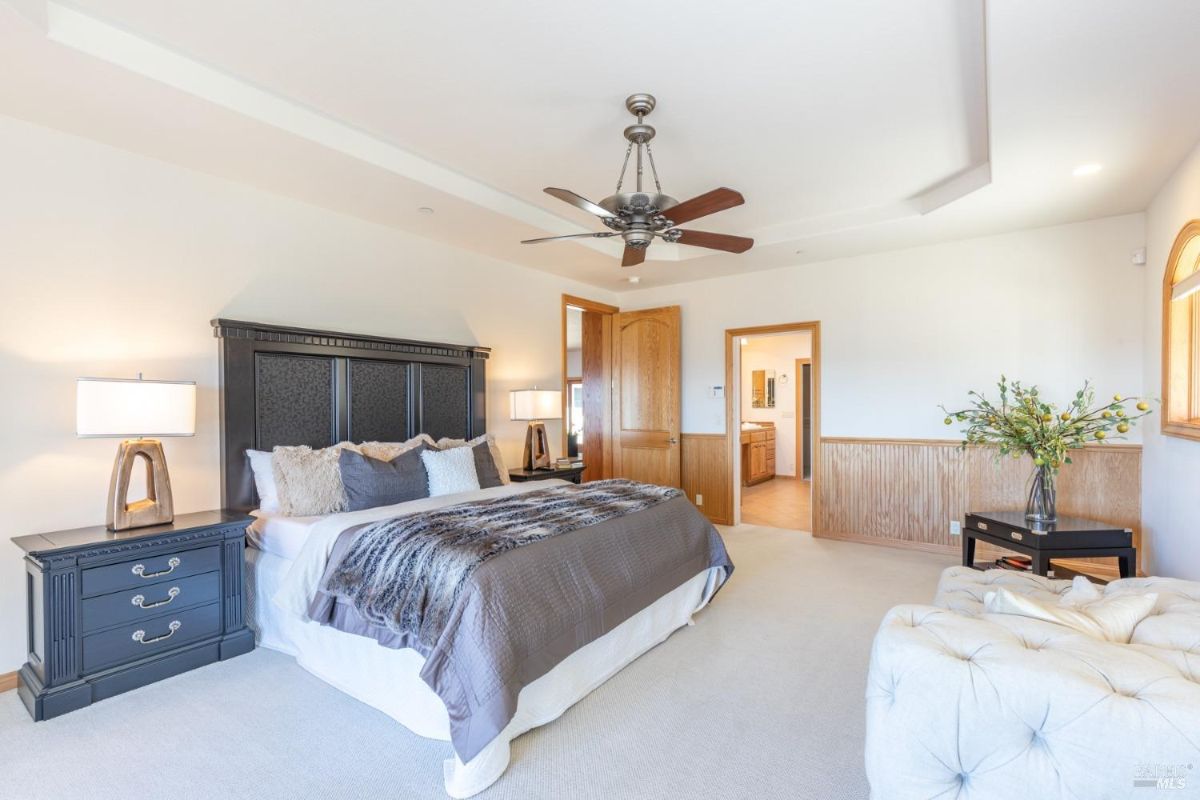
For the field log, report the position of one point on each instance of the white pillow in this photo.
(1110, 618)
(450, 471)
(446, 443)
(264, 479)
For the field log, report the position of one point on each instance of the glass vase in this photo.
(1040, 508)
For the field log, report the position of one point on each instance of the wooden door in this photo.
(646, 395)
(597, 379)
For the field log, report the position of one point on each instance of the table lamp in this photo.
(533, 406)
(136, 408)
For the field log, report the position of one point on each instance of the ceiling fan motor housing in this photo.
(639, 239)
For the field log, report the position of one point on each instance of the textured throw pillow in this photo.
(1111, 618)
(493, 448)
(450, 471)
(386, 451)
(309, 481)
(264, 479)
(370, 482)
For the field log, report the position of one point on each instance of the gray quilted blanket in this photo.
(495, 593)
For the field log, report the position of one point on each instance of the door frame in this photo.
(800, 362)
(733, 427)
(572, 301)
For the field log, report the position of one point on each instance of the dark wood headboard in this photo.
(293, 386)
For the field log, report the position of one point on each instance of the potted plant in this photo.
(1023, 423)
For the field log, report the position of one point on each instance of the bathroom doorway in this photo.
(773, 423)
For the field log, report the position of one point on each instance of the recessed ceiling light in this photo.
(634, 279)
(424, 210)
(1084, 170)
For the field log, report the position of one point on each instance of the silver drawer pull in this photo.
(140, 569)
(140, 636)
(140, 600)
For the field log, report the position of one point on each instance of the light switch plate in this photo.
(955, 528)
(716, 392)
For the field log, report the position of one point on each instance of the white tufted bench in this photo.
(967, 705)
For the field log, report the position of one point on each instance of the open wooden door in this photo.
(646, 395)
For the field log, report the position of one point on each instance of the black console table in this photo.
(1068, 537)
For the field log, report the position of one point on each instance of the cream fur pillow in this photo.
(1109, 618)
(493, 448)
(386, 451)
(450, 471)
(309, 482)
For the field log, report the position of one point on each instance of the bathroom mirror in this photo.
(762, 388)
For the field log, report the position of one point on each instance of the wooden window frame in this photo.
(1180, 348)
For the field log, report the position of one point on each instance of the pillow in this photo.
(264, 479)
(386, 451)
(371, 482)
(309, 482)
(497, 458)
(450, 471)
(1111, 618)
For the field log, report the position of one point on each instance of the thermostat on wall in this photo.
(716, 392)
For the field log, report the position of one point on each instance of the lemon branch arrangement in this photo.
(1023, 423)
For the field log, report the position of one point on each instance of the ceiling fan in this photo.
(638, 216)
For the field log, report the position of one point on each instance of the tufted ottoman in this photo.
(967, 705)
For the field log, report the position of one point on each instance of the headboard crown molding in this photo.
(283, 334)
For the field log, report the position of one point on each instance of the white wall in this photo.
(778, 352)
(1170, 465)
(112, 263)
(904, 331)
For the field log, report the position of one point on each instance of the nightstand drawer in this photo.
(149, 570)
(144, 602)
(147, 637)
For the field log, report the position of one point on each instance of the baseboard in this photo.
(8, 681)
(899, 544)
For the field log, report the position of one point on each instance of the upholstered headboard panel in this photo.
(292, 386)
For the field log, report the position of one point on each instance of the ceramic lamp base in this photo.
(537, 448)
(157, 507)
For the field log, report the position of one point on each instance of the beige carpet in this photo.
(762, 698)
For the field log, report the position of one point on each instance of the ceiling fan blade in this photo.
(600, 235)
(716, 241)
(633, 256)
(705, 204)
(568, 196)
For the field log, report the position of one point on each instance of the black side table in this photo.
(572, 474)
(1068, 537)
(109, 611)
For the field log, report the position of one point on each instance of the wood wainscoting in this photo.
(705, 472)
(8, 681)
(905, 492)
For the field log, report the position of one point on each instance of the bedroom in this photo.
(908, 177)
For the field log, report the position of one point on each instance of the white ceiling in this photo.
(849, 127)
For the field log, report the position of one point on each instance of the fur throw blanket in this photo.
(406, 573)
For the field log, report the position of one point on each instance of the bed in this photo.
(288, 386)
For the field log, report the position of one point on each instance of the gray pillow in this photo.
(370, 482)
(485, 466)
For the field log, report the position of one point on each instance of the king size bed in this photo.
(469, 613)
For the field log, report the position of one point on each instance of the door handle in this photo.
(672, 440)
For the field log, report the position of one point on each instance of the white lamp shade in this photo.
(132, 408)
(531, 404)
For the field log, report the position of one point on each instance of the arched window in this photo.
(1181, 335)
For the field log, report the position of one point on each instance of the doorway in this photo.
(587, 328)
(773, 424)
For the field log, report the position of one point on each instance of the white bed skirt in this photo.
(389, 680)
